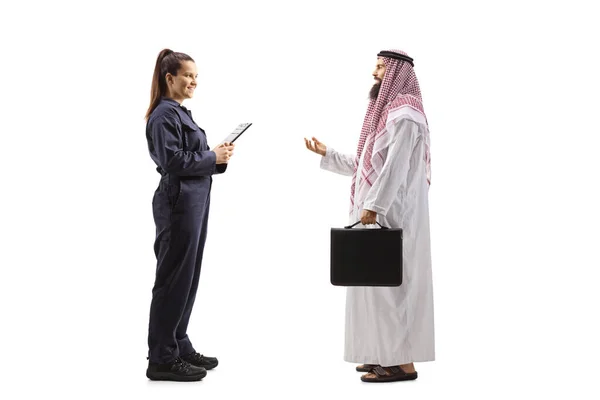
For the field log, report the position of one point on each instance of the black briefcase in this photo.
(366, 257)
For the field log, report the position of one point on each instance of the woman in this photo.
(180, 206)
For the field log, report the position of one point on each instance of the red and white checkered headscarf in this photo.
(399, 92)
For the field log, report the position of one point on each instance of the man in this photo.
(389, 328)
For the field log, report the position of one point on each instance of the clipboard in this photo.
(237, 132)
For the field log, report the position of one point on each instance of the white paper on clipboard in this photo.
(237, 132)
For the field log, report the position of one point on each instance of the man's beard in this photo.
(375, 90)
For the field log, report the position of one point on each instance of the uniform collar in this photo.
(173, 102)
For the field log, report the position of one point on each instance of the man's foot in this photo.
(389, 374)
(200, 360)
(408, 368)
(366, 367)
(177, 370)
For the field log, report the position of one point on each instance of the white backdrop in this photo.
(511, 96)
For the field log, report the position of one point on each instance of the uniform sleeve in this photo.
(220, 168)
(394, 173)
(167, 140)
(339, 163)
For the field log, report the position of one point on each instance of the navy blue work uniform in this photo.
(180, 206)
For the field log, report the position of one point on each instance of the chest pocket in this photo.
(194, 138)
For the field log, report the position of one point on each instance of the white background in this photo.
(511, 95)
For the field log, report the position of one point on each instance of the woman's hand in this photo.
(224, 152)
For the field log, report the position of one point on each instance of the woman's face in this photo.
(182, 85)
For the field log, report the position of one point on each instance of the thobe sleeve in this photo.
(394, 173)
(337, 162)
(167, 139)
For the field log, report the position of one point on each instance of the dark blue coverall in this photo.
(180, 206)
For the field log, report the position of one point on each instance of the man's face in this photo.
(379, 71)
(378, 75)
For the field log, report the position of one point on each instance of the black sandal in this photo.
(389, 374)
(366, 367)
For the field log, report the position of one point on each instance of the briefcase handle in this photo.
(351, 226)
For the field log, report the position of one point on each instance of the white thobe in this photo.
(393, 325)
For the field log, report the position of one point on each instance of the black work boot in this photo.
(200, 360)
(177, 370)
